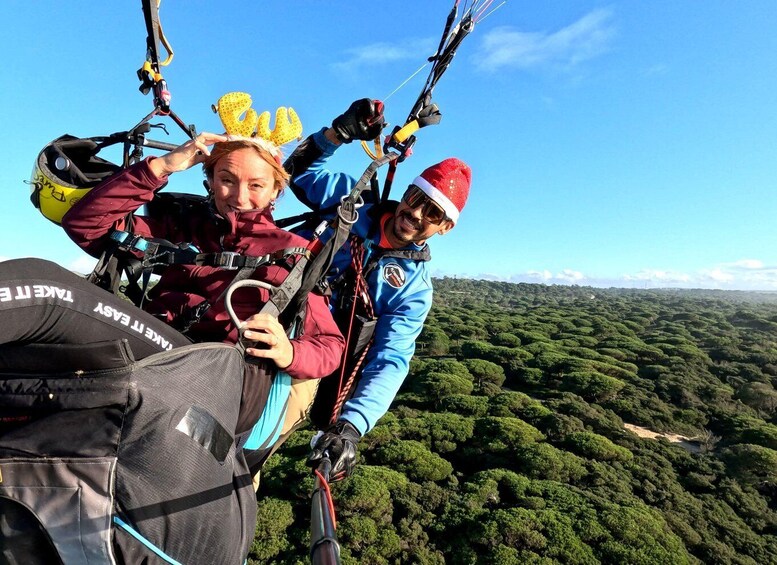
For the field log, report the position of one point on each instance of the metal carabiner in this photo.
(345, 200)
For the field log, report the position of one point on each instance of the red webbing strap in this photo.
(359, 293)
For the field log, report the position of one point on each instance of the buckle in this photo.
(129, 240)
(347, 206)
(228, 260)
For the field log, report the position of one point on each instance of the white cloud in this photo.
(565, 276)
(743, 274)
(650, 275)
(378, 54)
(717, 274)
(748, 264)
(540, 275)
(570, 276)
(588, 37)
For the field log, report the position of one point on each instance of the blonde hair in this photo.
(268, 152)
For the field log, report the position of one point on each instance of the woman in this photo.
(244, 179)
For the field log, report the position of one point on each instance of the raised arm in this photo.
(105, 207)
(311, 182)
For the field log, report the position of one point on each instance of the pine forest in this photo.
(560, 424)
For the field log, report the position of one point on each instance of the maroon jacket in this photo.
(317, 351)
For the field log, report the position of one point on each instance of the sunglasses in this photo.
(430, 211)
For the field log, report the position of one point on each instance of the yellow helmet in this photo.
(65, 170)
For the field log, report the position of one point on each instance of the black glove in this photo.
(339, 444)
(362, 120)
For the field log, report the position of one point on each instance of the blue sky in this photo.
(621, 143)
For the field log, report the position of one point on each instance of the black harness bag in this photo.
(104, 459)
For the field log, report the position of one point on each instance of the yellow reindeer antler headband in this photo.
(234, 104)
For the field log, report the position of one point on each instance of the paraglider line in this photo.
(480, 19)
(406, 81)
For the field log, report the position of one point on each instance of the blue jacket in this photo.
(400, 288)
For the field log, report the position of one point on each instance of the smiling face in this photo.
(408, 225)
(242, 180)
(431, 204)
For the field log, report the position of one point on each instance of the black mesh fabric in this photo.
(177, 494)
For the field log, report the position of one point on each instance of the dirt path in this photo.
(686, 443)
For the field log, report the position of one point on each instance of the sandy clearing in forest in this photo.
(684, 442)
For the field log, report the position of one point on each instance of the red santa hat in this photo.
(447, 183)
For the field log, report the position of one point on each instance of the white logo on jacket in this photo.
(394, 275)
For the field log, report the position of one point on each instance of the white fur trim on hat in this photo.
(431, 191)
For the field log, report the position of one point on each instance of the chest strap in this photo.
(375, 254)
(162, 253)
(159, 252)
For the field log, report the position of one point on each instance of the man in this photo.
(388, 255)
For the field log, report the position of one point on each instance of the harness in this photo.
(362, 319)
(139, 257)
(355, 278)
(355, 316)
